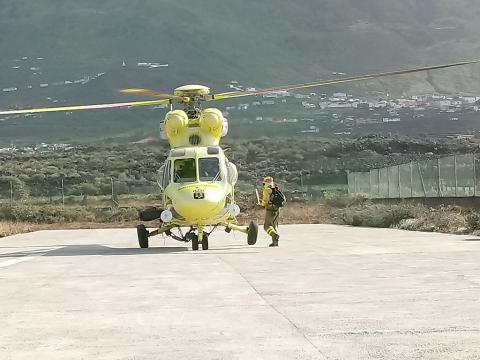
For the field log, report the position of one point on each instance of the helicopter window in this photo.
(185, 170)
(212, 150)
(177, 152)
(209, 169)
(160, 176)
(166, 179)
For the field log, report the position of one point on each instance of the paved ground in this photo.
(327, 293)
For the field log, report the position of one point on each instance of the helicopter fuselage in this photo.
(198, 187)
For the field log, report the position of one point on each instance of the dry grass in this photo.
(448, 219)
(91, 225)
(8, 228)
(294, 213)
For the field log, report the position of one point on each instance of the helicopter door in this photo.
(232, 173)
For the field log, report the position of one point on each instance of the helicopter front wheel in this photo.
(205, 242)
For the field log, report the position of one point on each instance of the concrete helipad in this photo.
(327, 292)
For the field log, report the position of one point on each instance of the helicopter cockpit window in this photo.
(209, 169)
(185, 171)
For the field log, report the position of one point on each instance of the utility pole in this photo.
(11, 192)
(456, 175)
(411, 180)
(114, 198)
(379, 185)
(439, 178)
(399, 183)
(388, 182)
(111, 182)
(63, 194)
(474, 163)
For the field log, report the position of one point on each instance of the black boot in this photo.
(275, 239)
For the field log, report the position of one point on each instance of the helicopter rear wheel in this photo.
(142, 234)
(205, 242)
(252, 233)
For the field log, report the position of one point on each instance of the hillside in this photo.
(213, 42)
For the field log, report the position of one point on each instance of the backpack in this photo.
(277, 198)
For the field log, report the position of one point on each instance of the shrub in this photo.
(375, 215)
(473, 221)
(44, 214)
(117, 215)
(342, 200)
(446, 219)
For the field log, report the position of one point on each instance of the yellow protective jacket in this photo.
(267, 191)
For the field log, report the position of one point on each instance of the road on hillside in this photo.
(328, 292)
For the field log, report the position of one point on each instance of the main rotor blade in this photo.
(87, 107)
(238, 94)
(147, 92)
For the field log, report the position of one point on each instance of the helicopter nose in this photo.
(199, 204)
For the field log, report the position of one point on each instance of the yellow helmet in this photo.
(268, 180)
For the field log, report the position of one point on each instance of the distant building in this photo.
(340, 95)
(301, 96)
(389, 120)
(311, 130)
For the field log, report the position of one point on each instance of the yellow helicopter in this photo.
(197, 180)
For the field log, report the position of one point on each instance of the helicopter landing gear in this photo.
(191, 236)
(194, 242)
(252, 233)
(205, 242)
(204, 238)
(142, 234)
(195, 239)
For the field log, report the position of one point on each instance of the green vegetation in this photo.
(302, 166)
(311, 171)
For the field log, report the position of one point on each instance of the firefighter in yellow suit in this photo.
(272, 212)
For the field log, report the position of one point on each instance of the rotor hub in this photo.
(192, 91)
